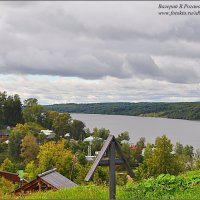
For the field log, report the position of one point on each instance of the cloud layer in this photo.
(98, 42)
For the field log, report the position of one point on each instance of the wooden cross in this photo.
(110, 145)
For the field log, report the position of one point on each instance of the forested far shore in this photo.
(180, 110)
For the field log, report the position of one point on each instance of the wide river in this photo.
(183, 131)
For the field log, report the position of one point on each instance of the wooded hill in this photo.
(183, 110)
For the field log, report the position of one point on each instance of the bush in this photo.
(165, 185)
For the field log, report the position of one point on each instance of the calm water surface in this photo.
(183, 131)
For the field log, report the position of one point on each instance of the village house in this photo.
(49, 133)
(46, 181)
(13, 177)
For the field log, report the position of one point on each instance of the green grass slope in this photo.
(165, 186)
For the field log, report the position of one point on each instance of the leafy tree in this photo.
(10, 110)
(163, 155)
(159, 159)
(185, 155)
(6, 187)
(101, 133)
(188, 151)
(178, 148)
(50, 118)
(77, 130)
(123, 136)
(29, 148)
(61, 124)
(96, 145)
(31, 171)
(53, 154)
(2, 104)
(32, 111)
(134, 156)
(76, 146)
(8, 166)
(81, 158)
(13, 110)
(15, 139)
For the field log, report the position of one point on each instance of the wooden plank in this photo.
(106, 162)
(112, 178)
(118, 148)
(99, 157)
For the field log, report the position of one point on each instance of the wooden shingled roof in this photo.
(56, 179)
(48, 180)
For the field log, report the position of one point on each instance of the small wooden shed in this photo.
(13, 177)
(48, 180)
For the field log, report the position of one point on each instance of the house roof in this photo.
(52, 180)
(55, 179)
(13, 177)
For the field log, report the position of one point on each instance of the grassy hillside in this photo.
(186, 186)
(184, 110)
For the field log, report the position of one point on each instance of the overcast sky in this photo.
(61, 52)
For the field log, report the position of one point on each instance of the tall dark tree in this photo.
(77, 130)
(2, 104)
(32, 110)
(10, 110)
(15, 140)
(13, 110)
(61, 124)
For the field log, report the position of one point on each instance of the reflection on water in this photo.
(183, 131)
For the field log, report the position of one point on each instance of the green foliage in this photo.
(29, 148)
(32, 111)
(76, 146)
(15, 139)
(159, 159)
(3, 151)
(165, 186)
(134, 156)
(54, 155)
(34, 127)
(77, 130)
(101, 176)
(10, 110)
(183, 110)
(81, 158)
(185, 156)
(31, 171)
(61, 124)
(81, 172)
(6, 187)
(101, 133)
(123, 136)
(8, 166)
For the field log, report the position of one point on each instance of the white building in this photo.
(49, 133)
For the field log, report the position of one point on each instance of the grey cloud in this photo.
(145, 67)
(53, 41)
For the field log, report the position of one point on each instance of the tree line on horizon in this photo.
(180, 110)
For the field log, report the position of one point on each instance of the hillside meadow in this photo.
(165, 186)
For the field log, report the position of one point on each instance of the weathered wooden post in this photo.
(110, 145)
(112, 178)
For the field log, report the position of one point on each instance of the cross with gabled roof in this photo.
(110, 145)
